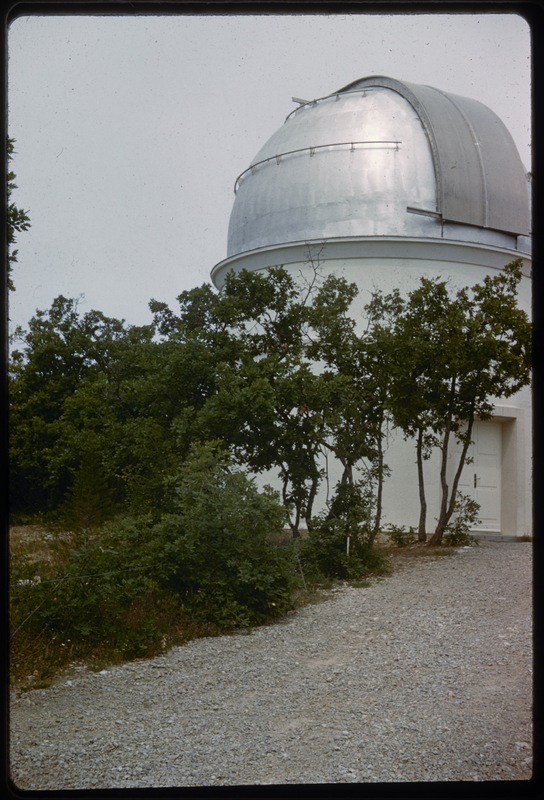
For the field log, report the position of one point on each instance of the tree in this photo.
(493, 361)
(275, 369)
(303, 383)
(45, 372)
(409, 342)
(355, 386)
(67, 397)
(451, 356)
(17, 219)
(266, 407)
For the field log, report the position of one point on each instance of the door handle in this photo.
(475, 480)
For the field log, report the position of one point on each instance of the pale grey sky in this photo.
(130, 131)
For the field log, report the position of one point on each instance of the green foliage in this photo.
(90, 500)
(88, 383)
(217, 545)
(65, 400)
(211, 558)
(464, 518)
(400, 536)
(272, 367)
(16, 218)
(138, 438)
(325, 553)
(94, 594)
(352, 505)
(339, 542)
(449, 354)
(267, 407)
(355, 386)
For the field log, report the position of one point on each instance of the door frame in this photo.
(512, 422)
(512, 468)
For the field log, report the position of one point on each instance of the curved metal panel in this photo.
(381, 157)
(507, 198)
(481, 179)
(346, 166)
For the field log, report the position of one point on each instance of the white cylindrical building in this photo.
(384, 182)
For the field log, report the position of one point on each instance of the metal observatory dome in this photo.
(385, 182)
(381, 158)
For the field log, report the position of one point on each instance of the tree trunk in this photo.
(462, 459)
(422, 527)
(347, 474)
(436, 538)
(286, 502)
(448, 504)
(311, 497)
(379, 489)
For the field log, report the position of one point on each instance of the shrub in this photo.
(126, 588)
(400, 536)
(352, 505)
(91, 594)
(456, 533)
(216, 545)
(339, 543)
(90, 499)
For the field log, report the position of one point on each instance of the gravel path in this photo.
(423, 676)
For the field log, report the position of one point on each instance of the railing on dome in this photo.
(311, 150)
(336, 95)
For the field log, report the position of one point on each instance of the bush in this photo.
(90, 500)
(339, 543)
(352, 506)
(400, 536)
(92, 594)
(216, 545)
(211, 558)
(126, 588)
(456, 532)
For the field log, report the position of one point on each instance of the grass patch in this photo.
(36, 661)
(401, 557)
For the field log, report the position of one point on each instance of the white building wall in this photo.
(386, 264)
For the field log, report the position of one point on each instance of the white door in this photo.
(481, 479)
